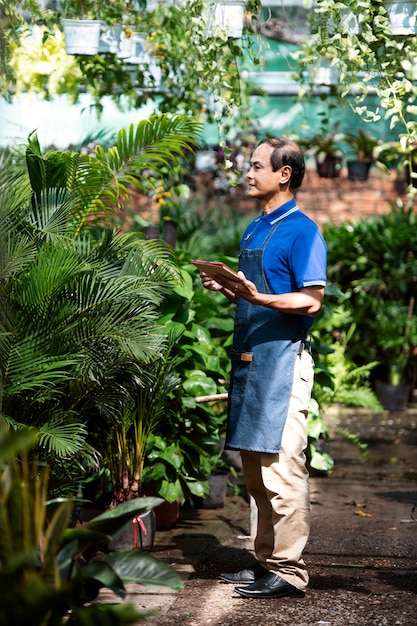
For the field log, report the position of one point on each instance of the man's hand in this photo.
(210, 283)
(230, 287)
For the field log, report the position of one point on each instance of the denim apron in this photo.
(265, 347)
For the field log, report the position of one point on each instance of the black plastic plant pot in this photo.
(358, 170)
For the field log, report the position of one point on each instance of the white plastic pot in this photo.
(81, 36)
(402, 17)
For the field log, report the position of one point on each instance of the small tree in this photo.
(80, 305)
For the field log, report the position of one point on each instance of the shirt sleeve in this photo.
(309, 259)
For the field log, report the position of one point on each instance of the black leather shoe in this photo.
(245, 576)
(270, 586)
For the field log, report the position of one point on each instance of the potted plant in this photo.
(81, 26)
(218, 480)
(91, 26)
(128, 441)
(397, 341)
(364, 146)
(372, 262)
(49, 572)
(73, 354)
(325, 148)
(401, 156)
(229, 16)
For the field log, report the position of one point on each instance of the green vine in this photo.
(356, 37)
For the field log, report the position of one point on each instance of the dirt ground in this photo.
(361, 555)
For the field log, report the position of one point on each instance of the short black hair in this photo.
(287, 152)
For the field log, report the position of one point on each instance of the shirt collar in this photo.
(281, 212)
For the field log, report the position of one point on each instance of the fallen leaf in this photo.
(363, 514)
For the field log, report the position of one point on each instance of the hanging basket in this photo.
(82, 36)
(358, 170)
(134, 50)
(329, 167)
(109, 42)
(132, 47)
(402, 16)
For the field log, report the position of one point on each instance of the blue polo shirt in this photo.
(296, 255)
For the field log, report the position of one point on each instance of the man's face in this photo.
(262, 182)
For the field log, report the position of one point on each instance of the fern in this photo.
(356, 441)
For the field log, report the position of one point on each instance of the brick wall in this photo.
(323, 199)
(339, 199)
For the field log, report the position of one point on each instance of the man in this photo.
(280, 287)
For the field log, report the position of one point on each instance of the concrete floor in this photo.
(361, 555)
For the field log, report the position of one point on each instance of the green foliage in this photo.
(363, 144)
(373, 263)
(110, 11)
(146, 407)
(397, 337)
(356, 37)
(356, 441)
(317, 431)
(327, 142)
(199, 64)
(339, 379)
(48, 573)
(80, 305)
(41, 66)
(181, 450)
(207, 78)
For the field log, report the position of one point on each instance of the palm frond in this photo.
(54, 267)
(49, 215)
(64, 438)
(25, 367)
(15, 243)
(159, 140)
(16, 253)
(57, 169)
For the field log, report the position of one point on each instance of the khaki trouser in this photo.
(279, 485)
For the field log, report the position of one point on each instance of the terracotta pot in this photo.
(167, 513)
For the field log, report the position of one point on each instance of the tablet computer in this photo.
(216, 269)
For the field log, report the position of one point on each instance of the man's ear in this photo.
(286, 171)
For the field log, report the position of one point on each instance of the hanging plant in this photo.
(370, 59)
(199, 72)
